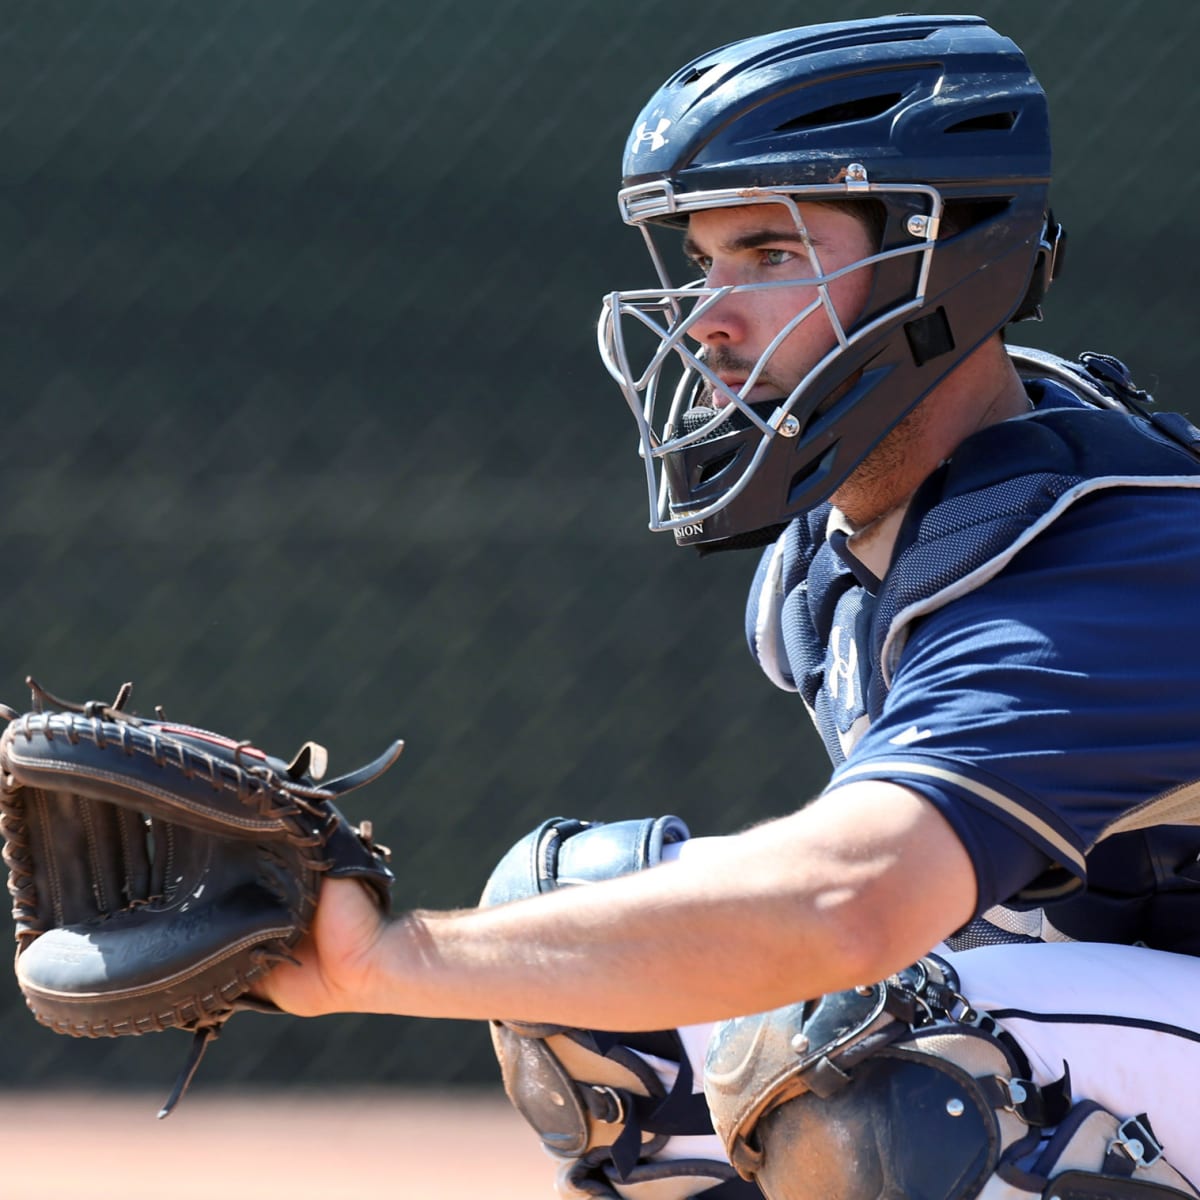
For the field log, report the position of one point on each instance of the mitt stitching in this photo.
(66, 767)
(18, 857)
(253, 786)
(125, 842)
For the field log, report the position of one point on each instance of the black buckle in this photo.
(606, 1104)
(1022, 1097)
(1115, 376)
(1032, 1103)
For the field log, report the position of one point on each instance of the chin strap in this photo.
(753, 539)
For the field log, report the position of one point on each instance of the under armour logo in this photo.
(844, 668)
(654, 136)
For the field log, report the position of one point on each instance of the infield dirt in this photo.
(246, 1145)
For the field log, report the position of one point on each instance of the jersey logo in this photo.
(843, 669)
(654, 136)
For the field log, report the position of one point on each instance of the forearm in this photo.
(776, 916)
(661, 948)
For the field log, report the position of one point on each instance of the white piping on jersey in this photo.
(1064, 850)
(897, 634)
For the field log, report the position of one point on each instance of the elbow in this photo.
(865, 947)
(855, 941)
(860, 940)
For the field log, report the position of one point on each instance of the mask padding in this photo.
(692, 420)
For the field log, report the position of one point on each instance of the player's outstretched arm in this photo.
(814, 902)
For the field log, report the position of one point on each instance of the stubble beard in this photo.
(884, 479)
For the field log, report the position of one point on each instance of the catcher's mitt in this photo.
(158, 871)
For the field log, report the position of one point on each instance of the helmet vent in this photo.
(692, 74)
(711, 470)
(840, 114)
(1001, 121)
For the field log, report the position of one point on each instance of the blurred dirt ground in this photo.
(248, 1145)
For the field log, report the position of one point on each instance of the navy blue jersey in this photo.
(1035, 674)
(1058, 695)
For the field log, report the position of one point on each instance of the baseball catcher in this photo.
(158, 871)
(967, 969)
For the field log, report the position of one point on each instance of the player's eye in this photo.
(702, 262)
(777, 258)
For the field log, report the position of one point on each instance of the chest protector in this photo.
(821, 626)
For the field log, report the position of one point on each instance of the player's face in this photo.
(760, 243)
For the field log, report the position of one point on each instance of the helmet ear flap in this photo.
(1047, 267)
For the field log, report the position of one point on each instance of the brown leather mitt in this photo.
(158, 870)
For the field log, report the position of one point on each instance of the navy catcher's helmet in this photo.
(938, 124)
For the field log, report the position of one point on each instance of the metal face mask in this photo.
(703, 441)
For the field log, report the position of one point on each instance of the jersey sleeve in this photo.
(1038, 708)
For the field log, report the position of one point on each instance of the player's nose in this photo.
(720, 318)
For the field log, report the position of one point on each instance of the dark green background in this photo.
(305, 433)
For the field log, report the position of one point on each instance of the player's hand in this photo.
(335, 959)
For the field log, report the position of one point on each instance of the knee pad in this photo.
(562, 853)
(902, 1089)
(607, 1104)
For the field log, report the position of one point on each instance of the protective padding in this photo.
(573, 1095)
(759, 1061)
(908, 1128)
(541, 1091)
(673, 1179)
(1083, 1185)
(844, 1098)
(597, 1100)
(1083, 1161)
(563, 852)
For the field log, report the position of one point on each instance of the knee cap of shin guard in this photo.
(552, 1076)
(829, 1099)
(540, 1089)
(904, 1126)
(562, 852)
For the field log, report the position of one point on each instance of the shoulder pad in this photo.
(1106, 382)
